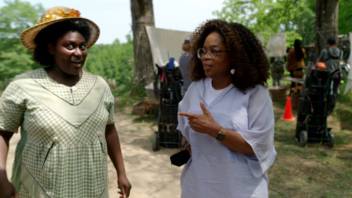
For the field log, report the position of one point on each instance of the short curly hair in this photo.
(245, 51)
(52, 33)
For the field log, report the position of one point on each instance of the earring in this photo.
(232, 71)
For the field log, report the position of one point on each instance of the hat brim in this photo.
(28, 35)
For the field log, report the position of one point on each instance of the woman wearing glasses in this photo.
(226, 115)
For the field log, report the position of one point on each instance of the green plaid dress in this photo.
(62, 151)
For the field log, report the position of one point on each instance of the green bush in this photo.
(114, 62)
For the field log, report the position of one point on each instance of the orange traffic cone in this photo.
(288, 116)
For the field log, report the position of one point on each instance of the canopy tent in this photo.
(276, 46)
(165, 43)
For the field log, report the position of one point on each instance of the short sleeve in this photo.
(181, 122)
(184, 106)
(12, 107)
(260, 132)
(110, 105)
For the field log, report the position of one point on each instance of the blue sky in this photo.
(114, 17)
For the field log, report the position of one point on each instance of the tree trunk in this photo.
(326, 21)
(142, 14)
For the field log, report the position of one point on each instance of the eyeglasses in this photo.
(212, 52)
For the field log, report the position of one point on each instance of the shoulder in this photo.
(28, 75)
(16, 84)
(337, 50)
(196, 84)
(324, 51)
(194, 90)
(259, 92)
(259, 99)
(99, 80)
(291, 51)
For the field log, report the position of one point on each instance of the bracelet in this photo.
(220, 136)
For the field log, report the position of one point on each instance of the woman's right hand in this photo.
(7, 190)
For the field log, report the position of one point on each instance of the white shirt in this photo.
(211, 93)
(214, 171)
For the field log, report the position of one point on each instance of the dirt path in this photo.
(150, 173)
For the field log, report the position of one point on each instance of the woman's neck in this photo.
(63, 78)
(220, 83)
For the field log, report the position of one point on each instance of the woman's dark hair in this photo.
(298, 49)
(245, 52)
(52, 33)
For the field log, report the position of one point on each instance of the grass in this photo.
(314, 170)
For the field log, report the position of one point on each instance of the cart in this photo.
(170, 82)
(315, 104)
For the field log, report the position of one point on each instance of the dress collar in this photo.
(73, 95)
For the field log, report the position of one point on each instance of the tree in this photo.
(326, 21)
(345, 16)
(15, 16)
(267, 17)
(113, 62)
(142, 14)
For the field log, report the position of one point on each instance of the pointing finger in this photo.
(188, 115)
(204, 109)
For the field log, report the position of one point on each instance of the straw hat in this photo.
(54, 15)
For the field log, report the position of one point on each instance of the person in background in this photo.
(296, 65)
(65, 116)
(277, 70)
(184, 63)
(226, 115)
(332, 56)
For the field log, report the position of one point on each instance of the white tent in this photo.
(349, 61)
(165, 43)
(276, 46)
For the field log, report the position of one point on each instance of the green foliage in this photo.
(291, 36)
(313, 170)
(271, 16)
(345, 16)
(295, 18)
(115, 63)
(15, 16)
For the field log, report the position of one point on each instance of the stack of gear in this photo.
(315, 104)
(277, 70)
(170, 83)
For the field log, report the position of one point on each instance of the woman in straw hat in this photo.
(65, 115)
